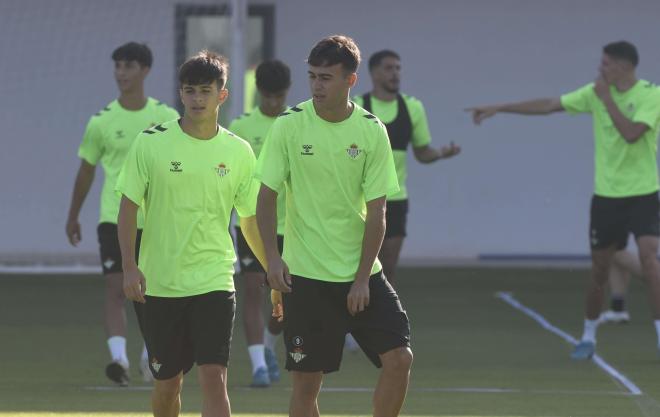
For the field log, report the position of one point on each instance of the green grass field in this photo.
(474, 354)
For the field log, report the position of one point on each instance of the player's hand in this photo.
(135, 285)
(278, 306)
(602, 87)
(72, 229)
(450, 150)
(278, 275)
(358, 297)
(481, 113)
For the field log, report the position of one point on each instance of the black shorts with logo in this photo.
(109, 247)
(316, 320)
(612, 219)
(396, 216)
(180, 331)
(246, 257)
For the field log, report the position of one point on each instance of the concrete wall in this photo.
(521, 186)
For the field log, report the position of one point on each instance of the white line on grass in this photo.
(467, 390)
(618, 376)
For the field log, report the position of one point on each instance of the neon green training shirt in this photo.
(387, 111)
(622, 169)
(329, 171)
(108, 137)
(253, 127)
(188, 188)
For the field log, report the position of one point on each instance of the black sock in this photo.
(618, 304)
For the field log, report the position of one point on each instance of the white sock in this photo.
(145, 355)
(657, 330)
(269, 339)
(117, 346)
(257, 357)
(590, 327)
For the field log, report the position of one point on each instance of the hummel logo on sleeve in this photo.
(307, 150)
(176, 166)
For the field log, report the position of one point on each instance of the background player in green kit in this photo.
(188, 175)
(405, 120)
(108, 137)
(626, 118)
(273, 79)
(334, 162)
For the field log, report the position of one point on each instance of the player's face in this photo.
(387, 74)
(330, 85)
(612, 69)
(201, 101)
(130, 75)
(273, 103)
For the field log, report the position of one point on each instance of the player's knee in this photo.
(212, 375)
(398, 360)
(306, 385)
(168, 389)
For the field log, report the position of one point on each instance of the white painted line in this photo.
(616, 375)
(467, 390)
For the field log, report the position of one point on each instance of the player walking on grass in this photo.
(626, 118)
(107, 139)
(333, 160)
(188, 175)
(405, 119)
(273, 79)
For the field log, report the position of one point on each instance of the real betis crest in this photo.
(354, 151)
(222, 170)
(297, 355)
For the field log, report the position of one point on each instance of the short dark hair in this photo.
(134, 51)
(333, 50)
(273, 76)
(622, 50)
(204, 68)
(377, 58)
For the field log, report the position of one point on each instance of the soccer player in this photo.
(188, 175)
(273, 79)
(626, 117)
(108, 137)
(405, 119)
(333, 160)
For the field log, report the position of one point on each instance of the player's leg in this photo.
(624, 265)
(211, 326)
(645, 225)
(114, 314)
(395, 232)
(383, 332)
(271, 334)
(166, 396)
(393, 382)
(253, 317)
(608, 233)
(305, 391)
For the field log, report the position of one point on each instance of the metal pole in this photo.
(237, 63)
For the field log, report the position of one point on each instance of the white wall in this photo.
(522, 185)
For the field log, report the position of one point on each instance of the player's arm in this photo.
(538, 106)
(426, 154)
(630, 131)
(277, 271)
(134, 282)
(374, 232)
(250, 231)
(84, 180)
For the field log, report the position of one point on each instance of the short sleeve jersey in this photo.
(188, 188)
(108, 137)
(622, 169)
(387, 111)
(329, 172)
(253, 127)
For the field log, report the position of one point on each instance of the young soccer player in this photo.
(334, 162)
(273, 79)
(188, 175)
(405, 119)
(108, 137)
(626, 117)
